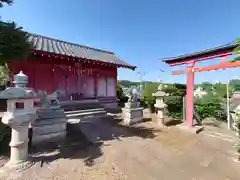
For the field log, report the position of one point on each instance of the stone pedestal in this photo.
(160, 116)
(132, 113)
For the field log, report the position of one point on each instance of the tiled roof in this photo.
(230, 46)
(51, 45)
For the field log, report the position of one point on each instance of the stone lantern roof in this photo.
(20, 90)
(160, 93)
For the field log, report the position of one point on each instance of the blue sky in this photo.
(138, 31)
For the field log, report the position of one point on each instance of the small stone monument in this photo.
(20, 113)
(51, 124)
(132, 112)
(236, 126)
(160, 105)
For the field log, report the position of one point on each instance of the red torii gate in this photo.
(221, 52)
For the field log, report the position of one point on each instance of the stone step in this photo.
(46, 138)
(81, 105)
(86, 114)
(49, 114)
(43, 122)
(83, 111)
(48, 129)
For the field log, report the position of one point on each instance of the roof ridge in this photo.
(75, 44)
(228, 45)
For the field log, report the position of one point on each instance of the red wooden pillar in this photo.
(189, 97)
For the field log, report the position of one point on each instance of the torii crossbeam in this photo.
(221, 52)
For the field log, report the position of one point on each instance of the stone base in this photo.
(50, 127)
(56, 137)
(161, 123)
(194, 129)
(132, 105)
(132, 115)
(127, 121)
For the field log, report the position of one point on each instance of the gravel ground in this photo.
(137, 152)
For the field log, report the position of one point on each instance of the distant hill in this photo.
(127, 83)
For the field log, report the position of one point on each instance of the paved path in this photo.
(138, 152)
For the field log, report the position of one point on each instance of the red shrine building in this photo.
(74, 71)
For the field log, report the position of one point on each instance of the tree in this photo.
(237, 51)
(14, 44)
(148, 98)
(119, 91)
(9, 2)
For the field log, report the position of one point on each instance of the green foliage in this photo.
(175, 99)
(14, 43)
(209, 106)
(175, 89)
(9, 2)
(120, 96)
(174, 106)
(5, 135)
(13, 46)
(237, 51)
(220, 90)
(4, 78)
(147, 93)
(119, 91)
(235, 85)
(125, 83)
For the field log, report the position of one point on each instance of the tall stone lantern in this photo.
(20, 113)
(160, 105)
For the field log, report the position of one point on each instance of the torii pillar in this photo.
(189, 97)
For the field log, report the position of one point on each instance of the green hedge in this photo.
(174, 106)
(5, 135)
(210, 106)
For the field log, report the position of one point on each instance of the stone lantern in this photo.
(20, 113)
(160, 105)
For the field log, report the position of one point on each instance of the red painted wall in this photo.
(74, 81)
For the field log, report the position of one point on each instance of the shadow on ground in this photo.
(137, 130)
(173, 122)
(78, 144)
